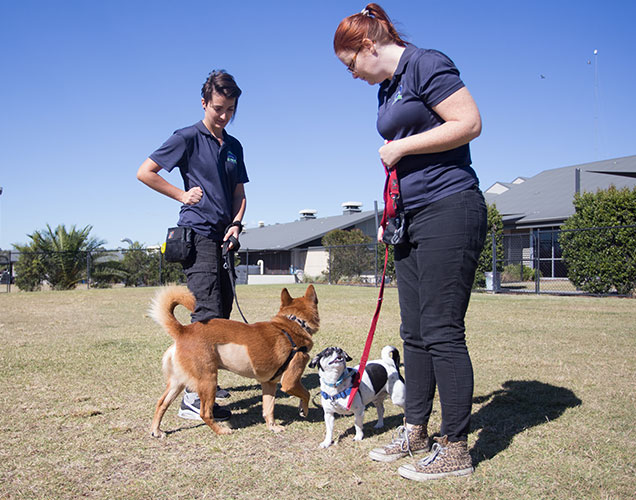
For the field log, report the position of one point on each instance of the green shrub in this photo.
(602, 260)
(517, 272)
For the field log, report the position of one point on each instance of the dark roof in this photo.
(294, 234)
(547, 197)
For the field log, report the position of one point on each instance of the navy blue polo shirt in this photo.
(423, 79)
(214, 168)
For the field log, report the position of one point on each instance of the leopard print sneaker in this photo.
(446, 459)
(405, 442)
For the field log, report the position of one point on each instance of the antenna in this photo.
(596, 107)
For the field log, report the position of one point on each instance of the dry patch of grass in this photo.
(553, 414)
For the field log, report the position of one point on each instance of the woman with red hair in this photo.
(427, 118)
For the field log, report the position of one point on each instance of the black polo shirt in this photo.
(423, 79)
(216, 169)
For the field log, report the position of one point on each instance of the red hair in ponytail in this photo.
(372, 23)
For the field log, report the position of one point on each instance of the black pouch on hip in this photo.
(395, 230)
(178, 244)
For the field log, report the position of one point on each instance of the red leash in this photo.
(367, 347)
(391, 195)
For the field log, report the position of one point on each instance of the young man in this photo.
(213, 203)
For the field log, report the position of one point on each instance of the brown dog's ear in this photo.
(285, 298)
(311, 294)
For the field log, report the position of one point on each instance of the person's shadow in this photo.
(518, 405)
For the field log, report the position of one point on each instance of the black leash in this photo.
(228, 265)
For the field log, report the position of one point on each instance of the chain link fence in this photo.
(98, 269)
(533, 262)
(602, 261)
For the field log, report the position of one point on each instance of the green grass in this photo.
(80, 372)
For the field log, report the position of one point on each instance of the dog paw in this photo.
(325, 444)
(358, 437)
(275, 428)
(303, 409)
(158, 434)
(222, 430)
(379, 425)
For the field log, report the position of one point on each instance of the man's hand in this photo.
(192, 196)
(232, 231)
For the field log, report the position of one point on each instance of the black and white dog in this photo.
(381, 379)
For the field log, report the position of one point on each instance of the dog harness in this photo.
(340, 395)
(292, 353)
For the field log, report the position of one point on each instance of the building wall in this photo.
(316, 260)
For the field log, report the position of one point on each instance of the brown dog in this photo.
(269, 352)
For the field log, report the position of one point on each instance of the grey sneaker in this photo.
(222, 393)
(191, 408)
(446, 459)
(404, 443)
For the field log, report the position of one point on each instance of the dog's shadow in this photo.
(517, 406)
(247, 410)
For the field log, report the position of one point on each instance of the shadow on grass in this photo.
(248, 410)
(518, 405)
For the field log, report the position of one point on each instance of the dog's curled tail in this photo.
(390, 354)
(164, 303)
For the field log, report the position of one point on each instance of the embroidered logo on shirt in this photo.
(231, 158)
(398, 96)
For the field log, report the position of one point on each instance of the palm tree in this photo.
(61, 254)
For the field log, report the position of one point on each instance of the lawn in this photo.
(554, 412)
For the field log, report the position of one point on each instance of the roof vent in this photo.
(351, 207)
(308, 214)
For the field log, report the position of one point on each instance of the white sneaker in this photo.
(191, 408)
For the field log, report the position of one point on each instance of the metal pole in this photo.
(537, 272)
(495, 285)
(88, 270)
(375, 205)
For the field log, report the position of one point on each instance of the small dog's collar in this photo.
(345, 375)
(340, 395)
(301, 322)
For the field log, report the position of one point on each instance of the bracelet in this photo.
(236, 223)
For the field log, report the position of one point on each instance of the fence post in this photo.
(537, 261)
(495, 278)
(88, 270)
(376, 263)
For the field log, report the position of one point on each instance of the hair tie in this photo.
(365, 12)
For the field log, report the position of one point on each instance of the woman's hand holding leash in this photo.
(390, 153)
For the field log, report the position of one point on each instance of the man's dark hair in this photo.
(222, 83)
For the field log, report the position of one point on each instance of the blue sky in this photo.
(89, 89)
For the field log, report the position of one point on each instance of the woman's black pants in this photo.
(435, 273)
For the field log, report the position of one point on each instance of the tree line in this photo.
(63, 258)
